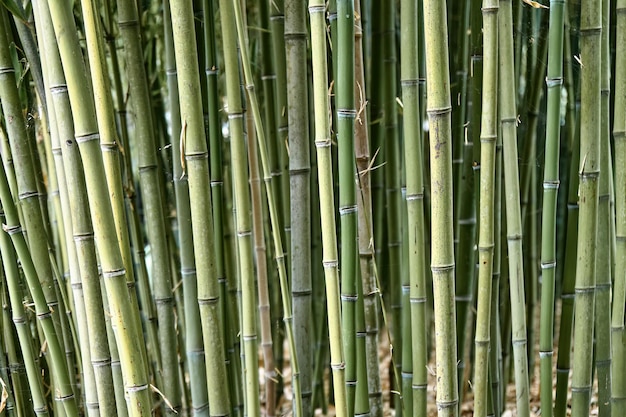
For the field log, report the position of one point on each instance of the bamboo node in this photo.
(442, 405)
(195, 156)
(343, 211)
(136, 388)
(585, 290)
(87, 137)
(414, 197)
(114, 273)
(58, 89)
(338, 366)
(554, 82)
(11, 230)
(330, 264)
(438, 269)
(7, 70)
(546, 354)
(548, 265)
(208, 301)
(349, 298)
(551, 185)
(436, 111)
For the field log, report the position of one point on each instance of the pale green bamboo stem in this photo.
(442, 263)
(317, 12)
(40, 280)
(554, 83)
(193, 329)
(415, 352)
(20, 320)
(618, 328)
(98, 383)
(241, 196)
(197, 169)
(300, 192)
(508, 117)
(589, 172)
(124, 312)
(273, 210)
(488, 135)
(606, 219)
(149, 180)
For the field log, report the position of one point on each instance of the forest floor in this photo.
(467, 405)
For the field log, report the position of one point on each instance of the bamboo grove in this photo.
(354, 208)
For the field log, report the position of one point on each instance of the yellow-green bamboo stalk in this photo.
(273, 210)
(193, 330)
(124, 312)
(488, 135)
(197, 169)
(300, 191)
(317, 13)
(40, 279)
(415, 352)
(589, 172)
(149, 180)
(241, 196)
(618, 327)
(442, 263)
(12, 278)
(508, 119)
(606, 219)
(98, 383)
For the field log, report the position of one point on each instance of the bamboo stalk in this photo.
(149, 181)
(488, 135)
(317, 11)
(589, 173)
(196, 162)
(508, 117)
(300, 191)
(40, 278)
(618, 328)
(604, 244)
(442, 264)
(415, 352)
(554, 83)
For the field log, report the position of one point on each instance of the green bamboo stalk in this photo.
(197, 169)
(415, 353)
(569, 270)
(618, 328)
(241, 195)
(606, 218)
(122, 306)
(365, 233)
(589, 172)
(273, 210)
(346, 114)
(467, 178)
(442, 264)
(300, 191)
(554, 83)
(40, 280)
(20, 319)
(98, 383)
(488, 135)
(193, 329)
(134, 262)
(317, 11)
(508, 117)
(149, 180)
